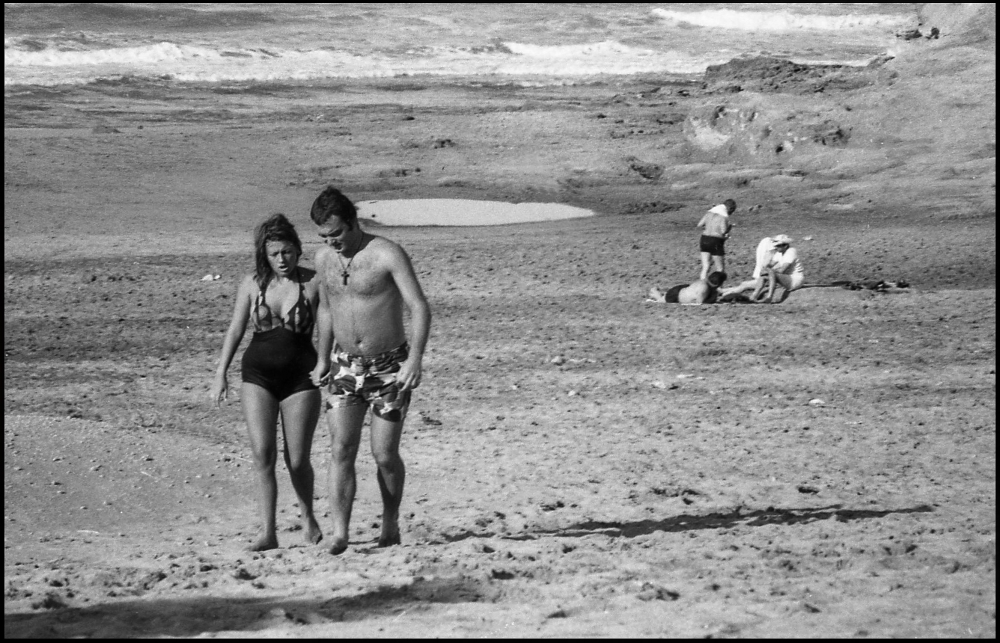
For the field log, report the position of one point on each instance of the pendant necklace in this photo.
(344, 270)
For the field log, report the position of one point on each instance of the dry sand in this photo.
(823, 467)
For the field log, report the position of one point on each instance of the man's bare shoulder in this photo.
(323, 255)
(387, 249)
(381, 243)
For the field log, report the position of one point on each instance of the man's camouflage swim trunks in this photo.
(371, 380)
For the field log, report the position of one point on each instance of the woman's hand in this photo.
(220, 390)
(320, 375)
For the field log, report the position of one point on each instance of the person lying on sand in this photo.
(716, 226)
(703, 291)
(366, 281)
(779, 262)
(280, 299)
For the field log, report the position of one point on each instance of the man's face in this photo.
(335, 233)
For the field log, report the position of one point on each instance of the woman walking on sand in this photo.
(280, 299)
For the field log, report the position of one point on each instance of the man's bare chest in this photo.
(356, 281)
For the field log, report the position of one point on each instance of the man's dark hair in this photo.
(332, 203)
(716, 279)
(730, 205)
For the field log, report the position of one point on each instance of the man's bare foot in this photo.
(388, 541)
(338, 546)
(265, 542)
(313, 533)
(390, 533)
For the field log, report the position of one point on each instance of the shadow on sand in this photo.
(153, 617)
(205, 614)
(756, 518)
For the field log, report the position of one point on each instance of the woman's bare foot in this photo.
(338, 546)
(313, 533)
(265, 542)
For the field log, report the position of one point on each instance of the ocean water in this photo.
(532, 44)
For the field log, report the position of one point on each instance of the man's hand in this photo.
(409, 374)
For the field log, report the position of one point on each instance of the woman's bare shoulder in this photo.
(248, 286)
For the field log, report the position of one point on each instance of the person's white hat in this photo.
(781, 239)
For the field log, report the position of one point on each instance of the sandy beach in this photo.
(581, 462)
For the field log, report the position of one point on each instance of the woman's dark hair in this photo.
(276, 227)
(332, 203)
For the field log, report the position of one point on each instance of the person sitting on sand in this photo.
(367, 280)
(716, 226)
(703, 291)
(779, 262)
(280, 299)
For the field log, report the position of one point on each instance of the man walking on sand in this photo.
(716, 226)
(364, 356)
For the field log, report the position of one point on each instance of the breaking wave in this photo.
(777, 21)
(29, 62)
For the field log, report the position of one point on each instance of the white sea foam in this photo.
(778, 21)
(198, 63)
(163, 52)
(536, 44)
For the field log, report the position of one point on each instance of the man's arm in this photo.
(324, 323)
(420, 316)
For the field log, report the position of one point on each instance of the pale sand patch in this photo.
(396, 212)
(463, 212)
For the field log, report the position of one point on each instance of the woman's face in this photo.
(283, 257)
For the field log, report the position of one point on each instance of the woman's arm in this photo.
(770, 286)
(237, 328)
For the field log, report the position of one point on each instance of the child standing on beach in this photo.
(713, 239)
